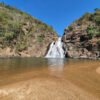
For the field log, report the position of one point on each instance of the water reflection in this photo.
(56, 66)
(20, 64)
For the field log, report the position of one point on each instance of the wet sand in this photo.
(98, 70)
(69, 80)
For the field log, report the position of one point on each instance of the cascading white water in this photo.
(56, 50)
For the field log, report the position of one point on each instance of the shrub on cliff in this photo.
(20, 31)
(93, 31)
(82, 37)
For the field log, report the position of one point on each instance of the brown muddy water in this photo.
(51, 77)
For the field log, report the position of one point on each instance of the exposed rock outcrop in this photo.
(82, 38)
(22, 35)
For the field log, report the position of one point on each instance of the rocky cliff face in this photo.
(82, 38)
(23, 35)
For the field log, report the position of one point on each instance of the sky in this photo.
(57, 13)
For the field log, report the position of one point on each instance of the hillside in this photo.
(82, 38)
(23, 35)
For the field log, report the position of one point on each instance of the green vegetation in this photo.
(40, 38)
(95, 16)
(83, 36)
(21, 47)
(70, 28)
(93, 31)
(86, 16)
(17, 28)
(89, 21)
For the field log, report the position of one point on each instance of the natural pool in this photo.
(53, 74)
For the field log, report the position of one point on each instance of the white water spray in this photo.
(56, 50)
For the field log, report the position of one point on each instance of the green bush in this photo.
(21, 46)
(93, 31)
(3, 17)
(97, 19)
(40, 38)
(70, 28)
(95, 16)
(9, 35)
(97, 9)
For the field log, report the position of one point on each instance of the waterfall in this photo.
(56, 49)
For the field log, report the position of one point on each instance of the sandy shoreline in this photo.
(44, 89)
